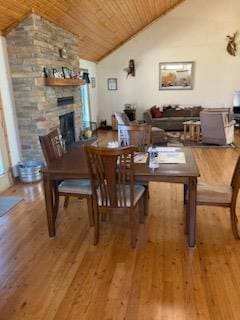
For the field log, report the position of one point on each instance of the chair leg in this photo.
(234, 223)
(66, 202)
(141, 210)
(185, 192)
(186, 220)
(90, 211)
(96, 225)
(145, 201)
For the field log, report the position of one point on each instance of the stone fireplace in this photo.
(33, 45)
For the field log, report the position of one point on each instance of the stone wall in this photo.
(33, 45)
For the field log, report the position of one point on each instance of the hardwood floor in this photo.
(68, 278)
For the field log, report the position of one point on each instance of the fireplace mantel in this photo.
(57, 82)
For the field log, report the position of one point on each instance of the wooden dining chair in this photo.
(138, 136)
(113, 187)
(222, 196)
(52, 149)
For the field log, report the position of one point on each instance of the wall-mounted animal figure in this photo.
(232, 45)
(131, 68)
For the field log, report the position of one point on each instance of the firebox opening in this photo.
(67, 129)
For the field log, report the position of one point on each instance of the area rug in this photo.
(175, 139)
(7, 203)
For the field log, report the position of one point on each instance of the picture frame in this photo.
(112, 84)
(66, 73)
(176, 75)
(48, 73)
(93, 82)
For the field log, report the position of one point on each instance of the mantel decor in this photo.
(176, 75)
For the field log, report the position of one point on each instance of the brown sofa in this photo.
(173, 117)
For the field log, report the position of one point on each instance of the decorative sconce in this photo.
(131, 68)
(62, 53)
(232, 44)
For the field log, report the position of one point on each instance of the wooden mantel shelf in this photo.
(63, 82)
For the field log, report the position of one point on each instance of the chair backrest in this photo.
(112, 175)
(235, 183)
(138, 136)
(122, 118)
(51, 146)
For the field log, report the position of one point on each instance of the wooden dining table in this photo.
(73, 165)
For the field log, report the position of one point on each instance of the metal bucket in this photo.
(30, 171)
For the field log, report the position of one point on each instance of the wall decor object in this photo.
(57, 74)
(131, 68)
(176, 75)
(93, 81)
(232, 44)
(62, 53)
(48, 73)
(66, 72)
(112, 84)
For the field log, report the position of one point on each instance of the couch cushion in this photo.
(195, 111)
(172, 112)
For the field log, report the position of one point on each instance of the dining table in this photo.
(73, 165)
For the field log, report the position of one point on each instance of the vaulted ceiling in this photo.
(102, 25)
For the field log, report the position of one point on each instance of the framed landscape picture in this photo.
(176, 75)
(112, 84)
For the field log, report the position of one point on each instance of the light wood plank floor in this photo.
(68, 278)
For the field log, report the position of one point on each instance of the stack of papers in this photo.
(171, 157)
(140, 157)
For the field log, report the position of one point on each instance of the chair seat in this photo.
(213, 194)
(138, 192)
(81, 186)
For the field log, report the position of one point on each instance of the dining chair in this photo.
(222, 196)
(113, 187)
(52, 149)
(157, 135)
(136, 135)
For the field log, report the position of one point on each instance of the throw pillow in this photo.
(157, 113)
(152, 110)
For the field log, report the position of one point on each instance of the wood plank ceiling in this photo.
(102, 25)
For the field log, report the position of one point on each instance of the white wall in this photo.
(194, 31)
(93, 92)
(9, 105)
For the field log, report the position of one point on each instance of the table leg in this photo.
(48, 191)
(185, 132)
(192, 189)
(198, 133)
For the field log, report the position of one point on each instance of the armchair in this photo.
(216, 127)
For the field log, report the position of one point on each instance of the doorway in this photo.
(85, 103)
(5, 181)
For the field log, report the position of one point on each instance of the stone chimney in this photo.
(33, 45)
